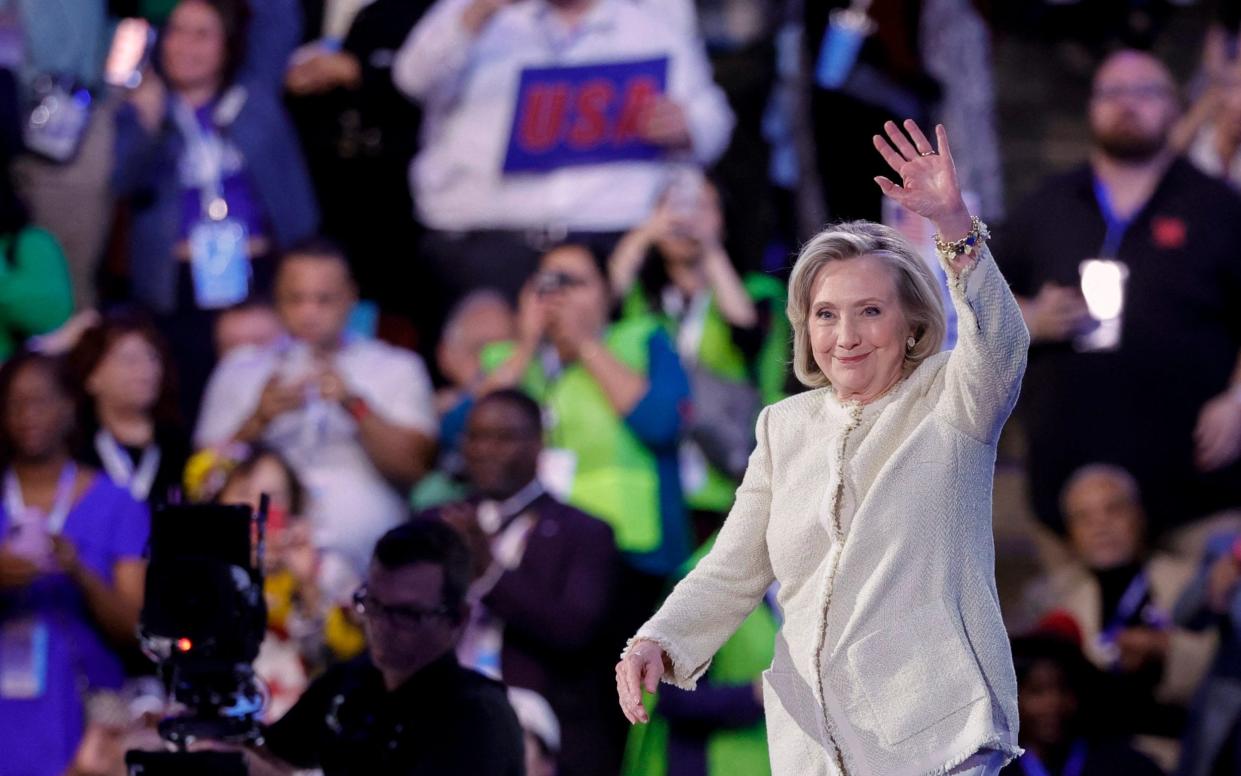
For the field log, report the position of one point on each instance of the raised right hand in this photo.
(641, 668)
(479, 12)
(150, 100)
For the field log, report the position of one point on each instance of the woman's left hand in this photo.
(929, 184)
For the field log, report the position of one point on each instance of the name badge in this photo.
(1103, 287)
(557, 467)
(23, 659)
(219, 262)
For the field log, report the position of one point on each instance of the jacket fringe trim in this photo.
(681, 675)
(994, 743)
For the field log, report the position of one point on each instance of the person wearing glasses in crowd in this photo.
(406, 706)
(1141, 244)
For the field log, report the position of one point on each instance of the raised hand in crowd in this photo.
(1217, 436)
(1222, 581)
(150, 101)
(314, 69)
(479, 12)
(664, 124)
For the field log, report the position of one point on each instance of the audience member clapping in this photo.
(71, 572)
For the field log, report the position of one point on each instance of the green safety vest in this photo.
(730, 752)
(616, 477)
(718, 354)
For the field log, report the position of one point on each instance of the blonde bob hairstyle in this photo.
(916, 288)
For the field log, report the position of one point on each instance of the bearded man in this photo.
(1128, 272)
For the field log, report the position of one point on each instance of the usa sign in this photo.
(583, 114)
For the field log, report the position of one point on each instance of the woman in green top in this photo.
(674, 266)
(35, 292)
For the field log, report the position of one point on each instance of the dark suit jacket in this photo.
(555, 608)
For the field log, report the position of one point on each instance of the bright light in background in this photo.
(184, 645)
(1103, 286)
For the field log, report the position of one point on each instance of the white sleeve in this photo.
(400, 392)
(985, 369)
(710, 603)
(431, 62)
(706, 108)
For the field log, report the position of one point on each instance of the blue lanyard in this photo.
(1116, 226)
(1129, 605)
(1032, 766)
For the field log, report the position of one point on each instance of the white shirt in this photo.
(468, 87)
(350, 503)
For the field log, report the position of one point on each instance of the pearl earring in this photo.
(909, 343)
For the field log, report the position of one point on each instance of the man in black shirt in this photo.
(1162, 400)
(407, 708)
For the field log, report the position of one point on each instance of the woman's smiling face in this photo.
(858, 329)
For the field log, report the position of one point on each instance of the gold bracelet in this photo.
(968, 245)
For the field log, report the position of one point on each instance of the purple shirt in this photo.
(38, 737)
(243, 203)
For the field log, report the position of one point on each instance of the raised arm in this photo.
(706, 607)
(984, 372)
(431, 63)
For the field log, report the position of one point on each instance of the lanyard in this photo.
(1116, 226)
(16, 507)
(1130, 603)
(494, 517)
(120, 468)
(1074, 766)
(207, 149)
(692, 324)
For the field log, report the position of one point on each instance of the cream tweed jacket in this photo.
(875, 521)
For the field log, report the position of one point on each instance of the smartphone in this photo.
(133, 44)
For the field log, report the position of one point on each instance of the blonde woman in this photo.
(869, 501)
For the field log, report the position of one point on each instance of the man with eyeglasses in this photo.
(1128, 275)
(407, 707)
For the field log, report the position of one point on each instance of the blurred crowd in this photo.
(485, 296)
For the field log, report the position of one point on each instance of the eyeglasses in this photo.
(1136, 91)
(407, 617)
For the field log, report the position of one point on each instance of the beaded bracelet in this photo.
(971, 242)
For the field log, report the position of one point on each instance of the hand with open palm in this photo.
(928, 176)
